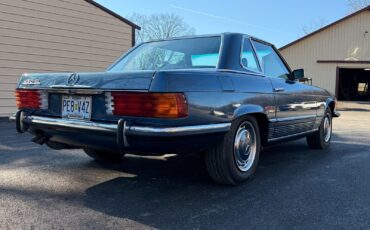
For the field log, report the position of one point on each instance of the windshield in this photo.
(184, 53)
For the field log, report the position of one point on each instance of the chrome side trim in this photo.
(128, 130)
(292, 118)
(293, 135)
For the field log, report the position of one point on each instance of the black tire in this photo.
(104, 156)
(319, 139)
(221, 161)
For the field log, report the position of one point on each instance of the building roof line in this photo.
(113, 14)
(326, 27)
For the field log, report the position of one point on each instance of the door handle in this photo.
(279, 89)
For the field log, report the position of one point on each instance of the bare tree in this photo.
(356, 5)
(313, 26)
(160, 26)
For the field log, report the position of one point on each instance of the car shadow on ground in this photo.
(294, 186)
(355, 109)
(176, 191)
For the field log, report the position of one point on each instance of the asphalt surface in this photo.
(294, 187)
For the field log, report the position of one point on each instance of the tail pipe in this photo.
(40, 138)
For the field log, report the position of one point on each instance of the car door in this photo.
(295, 106)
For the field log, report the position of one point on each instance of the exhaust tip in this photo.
(40, 138)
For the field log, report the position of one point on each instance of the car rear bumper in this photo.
(129, 130)
(121, 135)
(336, 113)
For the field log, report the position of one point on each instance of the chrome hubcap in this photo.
(327, 129)
(245, 146)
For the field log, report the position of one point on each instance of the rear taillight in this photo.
(30, 99)
(156, 105)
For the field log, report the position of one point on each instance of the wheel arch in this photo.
(259, 113)
(331, 103)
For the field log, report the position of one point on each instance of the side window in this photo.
(271, 63)
(248, 58)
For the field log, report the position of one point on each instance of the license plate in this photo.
(76, 107)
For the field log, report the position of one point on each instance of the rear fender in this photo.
(248, 109)
(260, 114)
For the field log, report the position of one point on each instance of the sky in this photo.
(277, 21)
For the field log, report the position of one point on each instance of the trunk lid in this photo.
(99, 80)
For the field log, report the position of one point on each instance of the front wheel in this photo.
(235, 159)
(104, 156)
(321, 138)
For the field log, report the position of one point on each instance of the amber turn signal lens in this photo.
(156, 105)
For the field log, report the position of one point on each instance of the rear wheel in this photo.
(104, 156)
(235, 159)
(321, 138)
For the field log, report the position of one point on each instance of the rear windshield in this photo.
(185, 53)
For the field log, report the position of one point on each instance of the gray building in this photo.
(55, 36)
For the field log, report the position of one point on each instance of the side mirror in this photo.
(298, 74)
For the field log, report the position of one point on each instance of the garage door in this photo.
(353, 84)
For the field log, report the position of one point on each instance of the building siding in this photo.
(338, 42)
(55, 36)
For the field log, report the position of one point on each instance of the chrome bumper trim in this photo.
(129, 130)
(336, 114)
(12, 118)
(178, 131)
(75, 124)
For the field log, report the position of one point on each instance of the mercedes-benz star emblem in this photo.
(73, 79)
